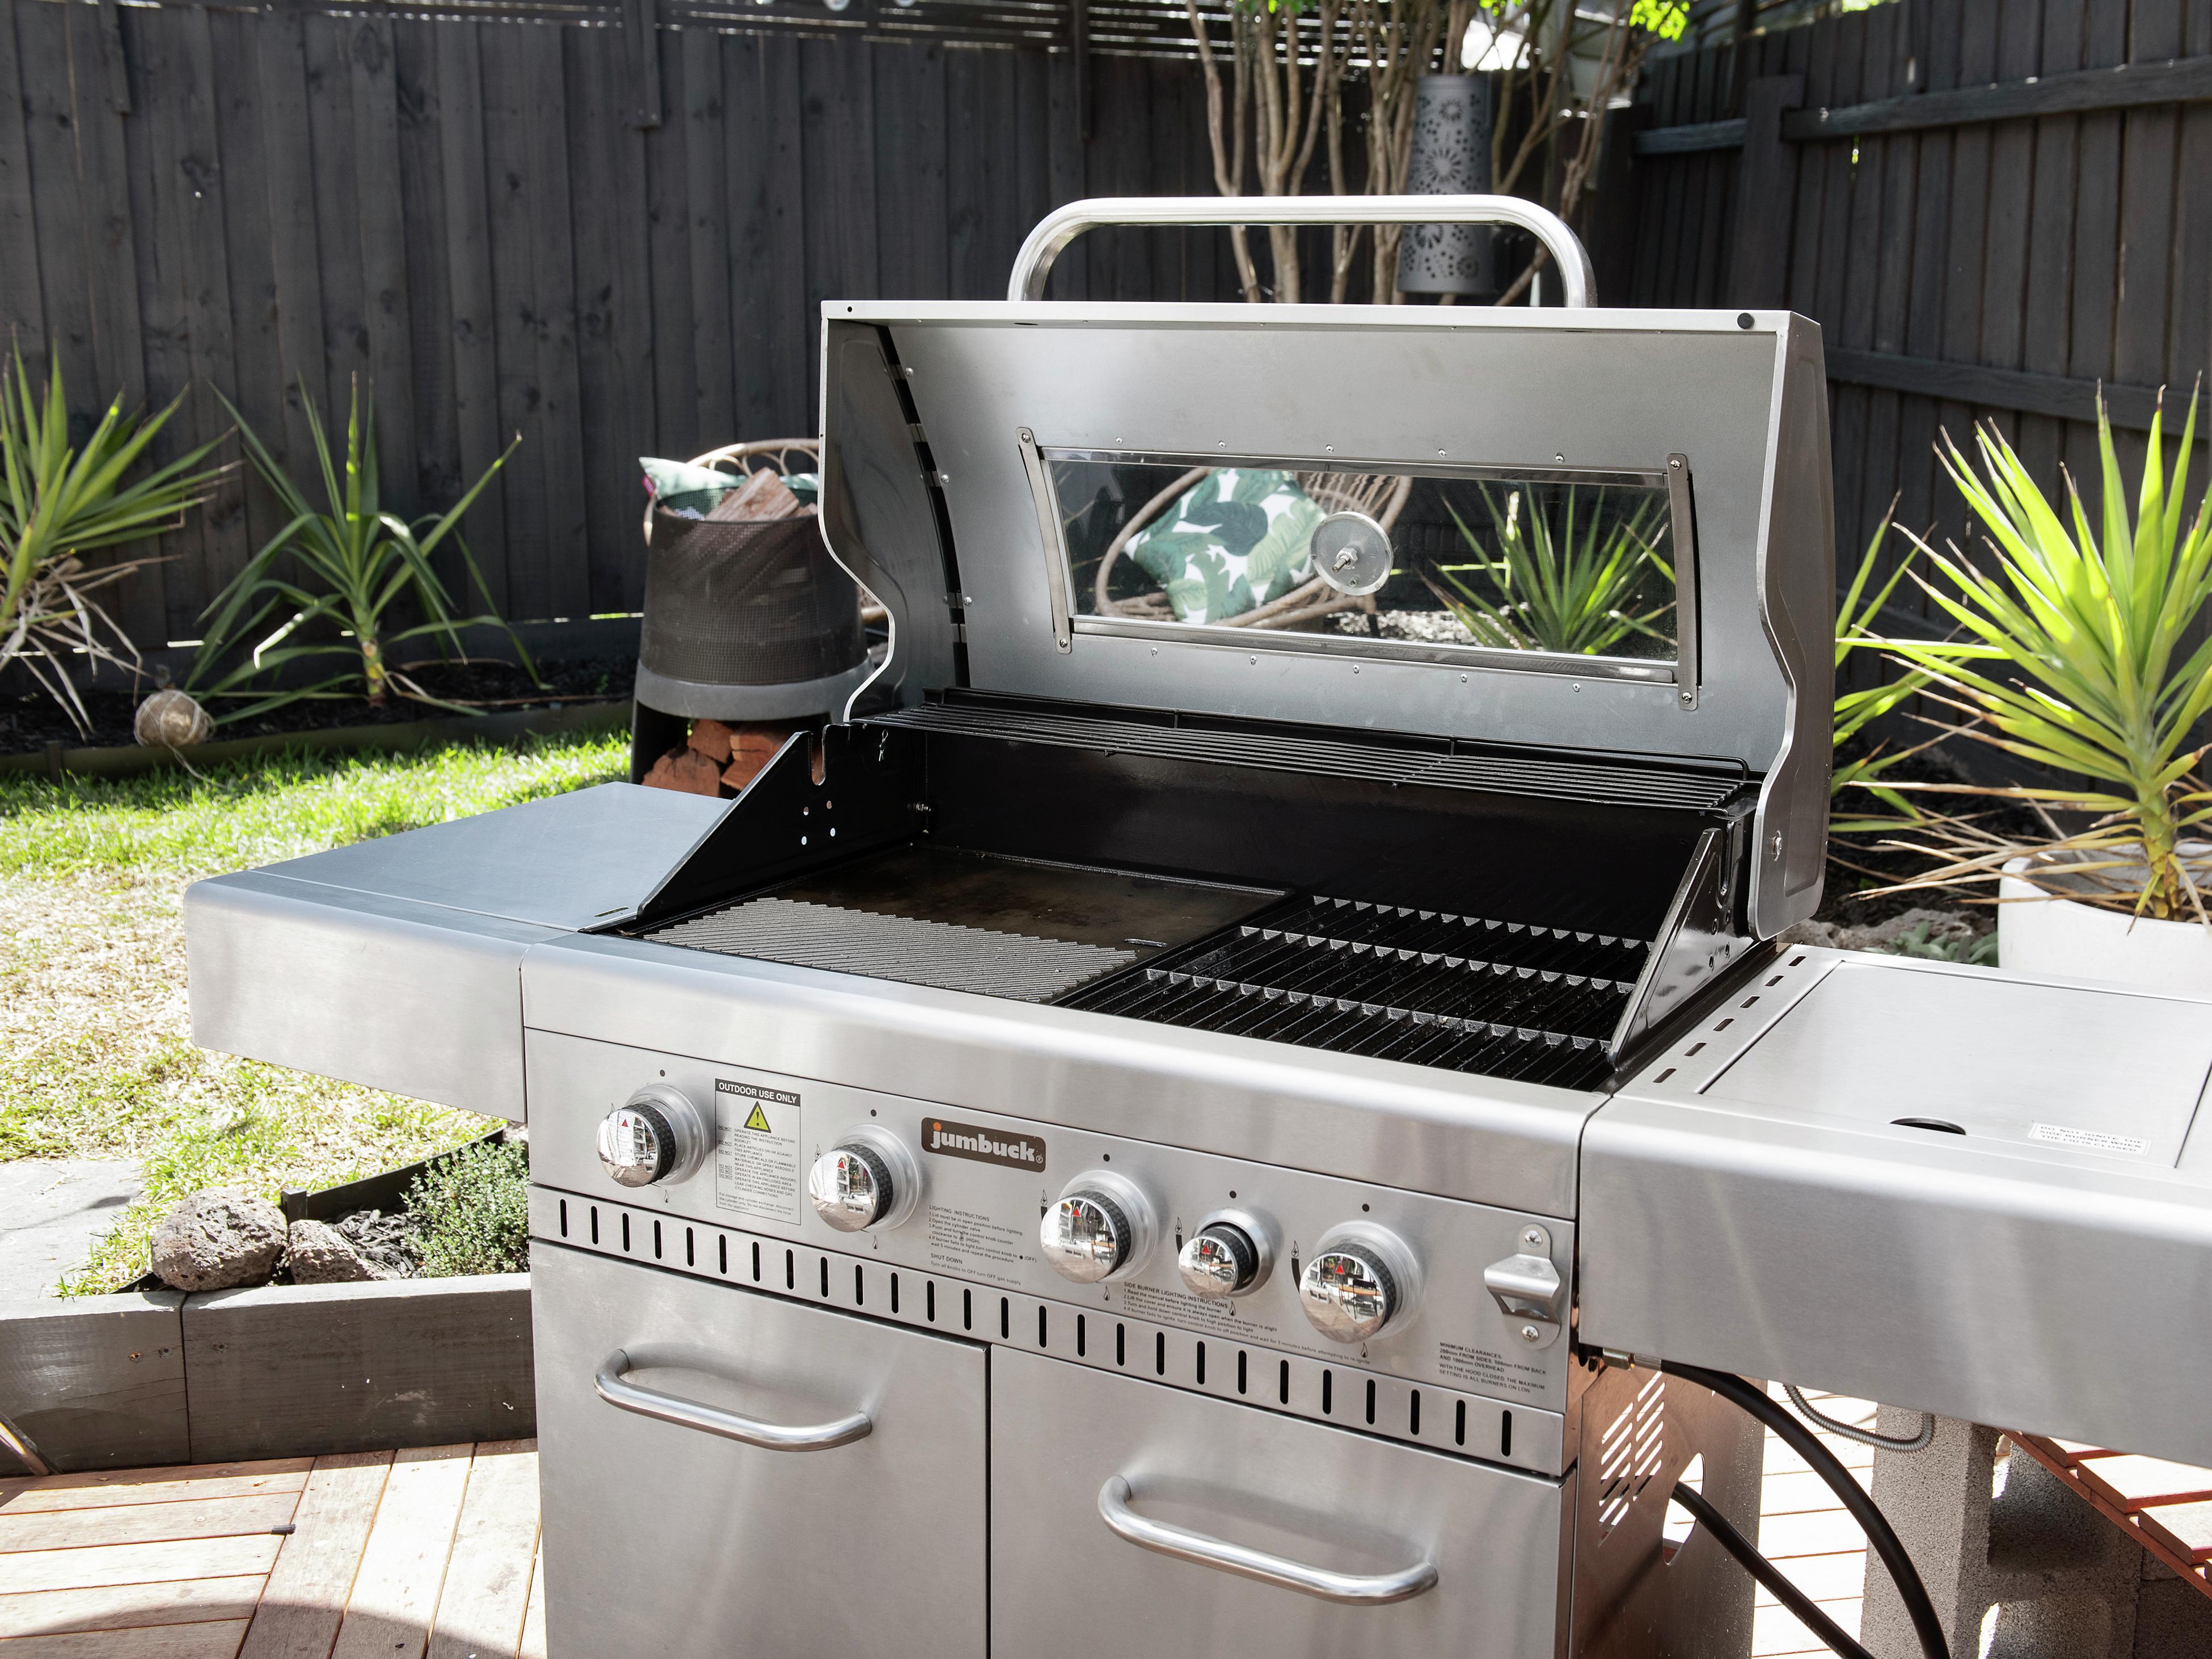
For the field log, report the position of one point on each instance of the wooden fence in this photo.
(515, 219)
(1990, 206)
(472, 217)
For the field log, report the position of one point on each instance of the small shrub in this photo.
(473, 1210)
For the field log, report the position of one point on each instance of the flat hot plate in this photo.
(928, 914)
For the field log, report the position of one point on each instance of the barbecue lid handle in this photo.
(1064, 224)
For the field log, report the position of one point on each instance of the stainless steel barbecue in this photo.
(1188, 1117)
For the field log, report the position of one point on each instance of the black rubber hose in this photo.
(1802, 1440)
(1824, 1628)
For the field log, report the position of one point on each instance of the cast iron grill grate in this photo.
(1462, 992)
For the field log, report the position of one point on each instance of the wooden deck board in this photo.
(213, 1517)
(305, 1601)
(108, 1488)
(1808, 1532)
(390, 1556)
(432, 1553)
(214, 1640)
(136, 1564)
(2144, 1482)
(402, 1567)
(533, 1621)
(1775, 1633)
(488, 1578)
(127, 1607)
(1819, 1532)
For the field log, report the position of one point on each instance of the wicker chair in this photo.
(1379, 495)
(733, 455)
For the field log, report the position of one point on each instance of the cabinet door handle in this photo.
(1353, 1589)
(615, 1388)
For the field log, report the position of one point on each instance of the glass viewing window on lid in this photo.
(1557, 563)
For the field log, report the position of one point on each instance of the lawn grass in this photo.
(96, 1057)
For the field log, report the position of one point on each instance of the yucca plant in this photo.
(2073, 654)
(58, 503)
(1569, 582)
(1857, 615)
(330, 579)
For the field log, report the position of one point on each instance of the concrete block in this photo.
(94, 1381)
(2018, 1565)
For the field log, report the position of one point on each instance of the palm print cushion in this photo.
(1233, 541)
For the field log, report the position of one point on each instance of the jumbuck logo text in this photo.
(984, 1146)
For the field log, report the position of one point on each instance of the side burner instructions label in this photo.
(2088, 1140)
(756, 1164)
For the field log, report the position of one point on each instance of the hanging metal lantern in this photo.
(1450, 157)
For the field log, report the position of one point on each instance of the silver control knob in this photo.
(1357, 1284)
(1217, 1262)
(851, 1187)
(868, 1181)
(655, 1135)
(1230, 1253)
(1100, 1229)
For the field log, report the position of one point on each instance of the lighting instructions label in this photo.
(756, 1165)
(976, 1245)
(2087, 1140)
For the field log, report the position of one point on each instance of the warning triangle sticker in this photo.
(757, 1118)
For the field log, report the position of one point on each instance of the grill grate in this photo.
(1523, 774)
(946, 955)
(1467, 995)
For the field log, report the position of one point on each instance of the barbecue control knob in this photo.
(1101, 1228)
(1360, 1282)
(1228, 1255)
(656, 1135)
(866, 1182)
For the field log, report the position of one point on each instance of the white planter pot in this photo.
(2059, 937)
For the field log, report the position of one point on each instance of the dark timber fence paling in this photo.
(480, 219)
(1990, 206)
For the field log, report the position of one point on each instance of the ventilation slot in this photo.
(1629, 1454)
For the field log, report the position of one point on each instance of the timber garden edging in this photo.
(130, 760)
(277, 1371)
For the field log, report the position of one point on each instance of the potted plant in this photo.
(2073, 653)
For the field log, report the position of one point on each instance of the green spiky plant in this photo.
(2073, 654)
(1568, 582)
(1857, 615)
(58, 503)
(330, 579)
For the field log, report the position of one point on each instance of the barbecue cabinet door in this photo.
(1355, 1516)
(668, 1541)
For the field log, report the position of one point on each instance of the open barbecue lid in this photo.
(1567, 527)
